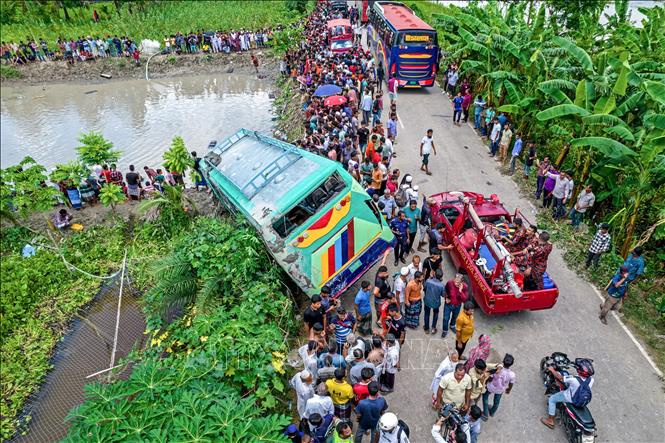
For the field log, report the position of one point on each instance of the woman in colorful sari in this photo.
(481, 351)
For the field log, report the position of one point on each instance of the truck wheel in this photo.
(467, 280)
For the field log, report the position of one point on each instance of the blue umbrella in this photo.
(327, 90)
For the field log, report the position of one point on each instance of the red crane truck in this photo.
(496, 285)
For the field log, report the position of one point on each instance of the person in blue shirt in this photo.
(369, 411)
(457, 108)
(616, 290)
(363, 308)
(517, 150)
(399, 225)
(479, 104)
(635, 264)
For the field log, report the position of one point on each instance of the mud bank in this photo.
(160, 66)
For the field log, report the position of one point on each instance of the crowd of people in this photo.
(84, 48)
(351, 359)
(135, 186)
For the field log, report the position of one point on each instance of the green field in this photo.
(141, 20)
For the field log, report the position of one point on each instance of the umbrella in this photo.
(327, 90)
(335, 100)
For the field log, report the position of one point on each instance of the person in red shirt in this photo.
(383, 311)
(457, 292)
(106, 174)
(360, 390)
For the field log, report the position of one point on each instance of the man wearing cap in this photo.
(302, 384)
(599, 245)
(400, 226)
(616, 290)
(563, 187)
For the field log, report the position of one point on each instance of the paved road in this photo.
(628, 403)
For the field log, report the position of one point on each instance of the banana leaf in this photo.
(561, 111)
(613, 149)
(579, 54)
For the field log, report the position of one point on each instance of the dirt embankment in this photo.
(160, 66)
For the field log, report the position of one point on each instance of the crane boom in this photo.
(500, 253)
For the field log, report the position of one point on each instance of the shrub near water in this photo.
(229, 345)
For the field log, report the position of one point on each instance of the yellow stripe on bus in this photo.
(369, 243)
(415, 56)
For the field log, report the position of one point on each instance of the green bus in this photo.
(317, 222)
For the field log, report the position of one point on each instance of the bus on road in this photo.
(405, 45)
(340, 35)
(316, 221)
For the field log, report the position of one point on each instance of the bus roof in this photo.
(339, 22)
(264, 169)
(401, 17)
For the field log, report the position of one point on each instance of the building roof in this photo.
(402, 18)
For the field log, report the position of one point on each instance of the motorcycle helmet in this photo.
(584, 367)
(388, 422)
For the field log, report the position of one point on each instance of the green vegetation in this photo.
(96, 150)
(21, 190)
(39, 297)
(111, 194)
(177, 159)
(9, 72)
(229, 345)
(141, 19)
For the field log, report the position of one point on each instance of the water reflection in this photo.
(139, 117)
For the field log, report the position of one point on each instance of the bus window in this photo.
(416, 38)
(374, 210)
(301, 212)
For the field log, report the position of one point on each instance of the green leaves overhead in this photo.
(584, 94)
(622, 132)
(656, 91)
(611, 148)
(577, 53)
(559, 111)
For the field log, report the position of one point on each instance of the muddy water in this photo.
(139, 117)
(85, 350)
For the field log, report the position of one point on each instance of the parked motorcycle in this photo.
(577, 422)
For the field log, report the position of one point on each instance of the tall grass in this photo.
(154, 22)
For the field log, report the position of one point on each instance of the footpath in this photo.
(628, 400)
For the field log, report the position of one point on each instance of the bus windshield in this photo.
(308, 206)
(341, 44)
(416, 38)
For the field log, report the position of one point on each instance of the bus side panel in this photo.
(347, 254)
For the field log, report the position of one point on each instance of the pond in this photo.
(140, 117)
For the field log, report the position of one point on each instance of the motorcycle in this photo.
(577, 422)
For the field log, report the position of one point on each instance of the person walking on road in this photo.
(635, 264)
(464, 328)
(434, 292)
(456, 295)
(457, 108)
(616, 290)
(368, 413)
(412, 213)
(427, 147)
(514, 155)
(501, 383)
(599, 244)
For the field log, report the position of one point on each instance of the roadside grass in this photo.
(156, 20)
(9, 72)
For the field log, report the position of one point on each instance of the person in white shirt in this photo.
(302, 383)
(400, 286)
(446, 366)
(390, 364)
(427, 147)
(416, 265)
(563, 187)
(307, 353)
(319, 403)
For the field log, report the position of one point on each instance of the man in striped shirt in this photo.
(599, 244)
